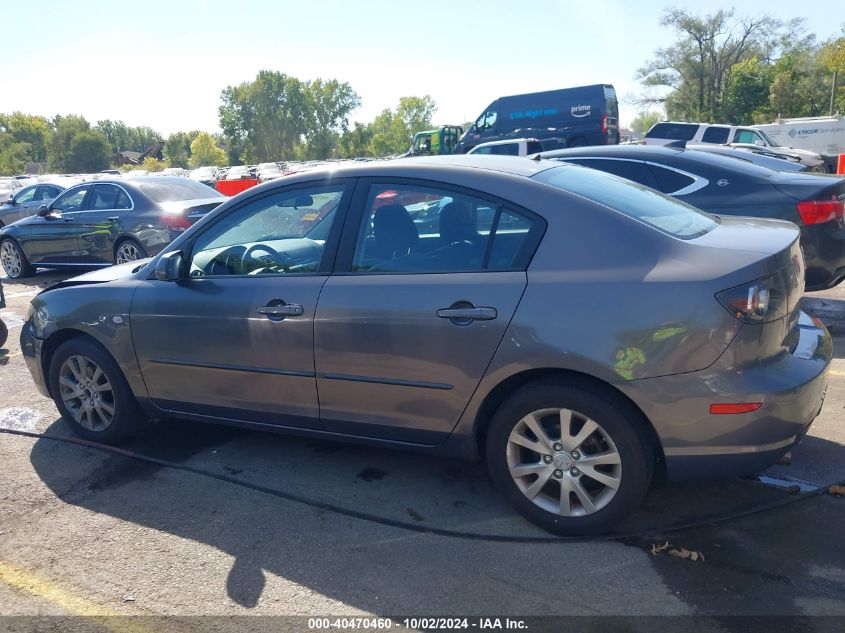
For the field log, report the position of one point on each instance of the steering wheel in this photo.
(281, 259)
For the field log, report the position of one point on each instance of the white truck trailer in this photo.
(824, 135)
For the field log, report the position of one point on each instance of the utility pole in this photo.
(833, 83)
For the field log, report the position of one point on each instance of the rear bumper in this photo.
(698, 444)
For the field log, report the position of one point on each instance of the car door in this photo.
(234, 338)
(25, 204)
(98, 226)
(52, 238)
(409, 321)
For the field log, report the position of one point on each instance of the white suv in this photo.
(511, 147)
(737, 136)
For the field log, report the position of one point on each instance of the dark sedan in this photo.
(104, 222)
(726, 186)
(580, 331)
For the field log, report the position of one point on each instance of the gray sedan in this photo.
(580, 332)
(25, 202)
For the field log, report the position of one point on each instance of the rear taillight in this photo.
(604, 123)
(175, 222)
(760, 301)
(821, 211)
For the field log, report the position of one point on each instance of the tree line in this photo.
(727, 68)
(274, 117)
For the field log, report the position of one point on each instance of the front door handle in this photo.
(467, 314)
(280, 310)
(113, 218)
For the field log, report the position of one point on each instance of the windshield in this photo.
(658, 210)
(768, 138)
(174, 190)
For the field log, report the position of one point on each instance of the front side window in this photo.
(47, 192)
(280, 234)
(747, 136)
(71, 200)
(486, 121)
(410, 229)
(26, 195)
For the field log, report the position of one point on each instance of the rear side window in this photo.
(671, 181)
(715, 135)
(420, 229)
(631, 169)
(533, 147)
(641, 203)
(507, 149)
(673, 131)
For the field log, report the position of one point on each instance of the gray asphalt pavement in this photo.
(85, 532)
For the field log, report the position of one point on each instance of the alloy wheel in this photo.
(87, 393)
(127, 252)
(11, 259)
(564, 462)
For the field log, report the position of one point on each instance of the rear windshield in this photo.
(674, 131)
(660, 211)
(182, 189)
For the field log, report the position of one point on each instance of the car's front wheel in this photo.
(570, 459)
(91, 393)
(14, 261)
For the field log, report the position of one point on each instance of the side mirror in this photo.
(43, 211)
(169, 267)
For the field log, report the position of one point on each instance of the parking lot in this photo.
(304, 527)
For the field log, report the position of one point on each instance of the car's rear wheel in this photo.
(128, 251)
(14, 261)
(4, 333)
(572, 460)
(91, 392)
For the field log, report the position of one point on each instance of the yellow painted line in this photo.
(833, 372)
(24, 580)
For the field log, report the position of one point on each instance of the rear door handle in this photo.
(468, 314)
(113, 218)
(281, 311)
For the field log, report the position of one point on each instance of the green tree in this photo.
(123, 138)
(28, 129)
(696, 68)
(266, 116)
(89, 151)
(799, 87)
(356, 142)
(328, 104)
(643, 121)
(13, 155)
(204, 151)
(177, 148)
(392, 131)
(152, 164)
(59, 153)
(747, 96)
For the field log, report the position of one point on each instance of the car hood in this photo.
(112, 273)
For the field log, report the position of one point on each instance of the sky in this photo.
(164, 64)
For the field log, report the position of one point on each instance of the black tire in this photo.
(127, 418)
(616, 419)
(26, 269)
(133, 243)
(4, 333)
(577, 142)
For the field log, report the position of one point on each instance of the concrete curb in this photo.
(831, 312)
